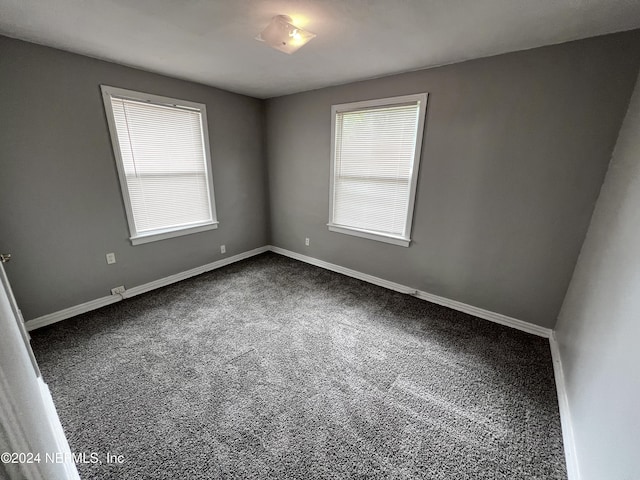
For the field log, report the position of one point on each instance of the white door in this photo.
(32, 442)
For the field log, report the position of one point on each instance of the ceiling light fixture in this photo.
(283, 35)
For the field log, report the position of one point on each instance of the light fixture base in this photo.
(283, 35)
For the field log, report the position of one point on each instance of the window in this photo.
(375, 159)
(161, 147)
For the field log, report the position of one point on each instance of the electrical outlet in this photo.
(306, 241)
(117, 290)
(223, 249)
(111, 258)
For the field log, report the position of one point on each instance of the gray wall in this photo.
(599, 324)
(515, 151)
(61, 204)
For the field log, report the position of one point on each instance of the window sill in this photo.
(162, 235)
(380, 237)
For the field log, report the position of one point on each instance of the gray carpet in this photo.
(272, 368)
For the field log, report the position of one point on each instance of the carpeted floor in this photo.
(272, 368)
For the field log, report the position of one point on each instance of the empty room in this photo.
(319, 239)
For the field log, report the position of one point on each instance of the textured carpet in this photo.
(271, 368)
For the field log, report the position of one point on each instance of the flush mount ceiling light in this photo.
(282, 35)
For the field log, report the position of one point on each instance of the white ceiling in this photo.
(212, 41)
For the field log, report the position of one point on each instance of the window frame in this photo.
(401, 240)
(136, 237)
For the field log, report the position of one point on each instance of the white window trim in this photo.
(402, 240)
(146, 237)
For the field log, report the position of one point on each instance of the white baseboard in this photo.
(487, 314)
(131, 292)
(71, 312)
(345, 271)
(573, 472)
(453, 304)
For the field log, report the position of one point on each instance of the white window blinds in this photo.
(163, 160)
(374, 155)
